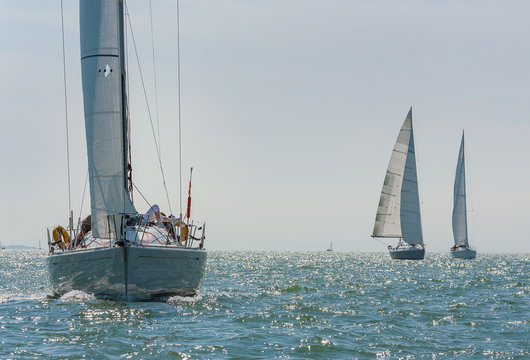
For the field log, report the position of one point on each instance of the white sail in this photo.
(410, 214)
(387, 220)
(102, 66)
(398, 213)
(459, 200)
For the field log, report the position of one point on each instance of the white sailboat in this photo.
(461, 248)
(330, 247)
(398, 213)
(118, 253)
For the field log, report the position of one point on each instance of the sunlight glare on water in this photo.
(294, 305)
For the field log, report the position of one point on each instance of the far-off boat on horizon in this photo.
(398, 213)
(461, 248)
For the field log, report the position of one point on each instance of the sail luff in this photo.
(387, 220)
(410, 213)
(101, 36)
(459, 200)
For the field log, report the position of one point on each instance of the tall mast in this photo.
(127, 170)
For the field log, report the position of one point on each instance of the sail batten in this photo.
(459, 200)
(101, 34)
(398, 213)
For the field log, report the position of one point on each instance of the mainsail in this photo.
(103, 70)
(398, 214)
(459, 200)
(410, 200)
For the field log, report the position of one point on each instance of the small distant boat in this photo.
(461, 248)
(398, 213)
(2, 246)
(330, 247)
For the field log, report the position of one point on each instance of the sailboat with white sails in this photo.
(330, 249)
(117, 252)
(398, 213)
(461, 248)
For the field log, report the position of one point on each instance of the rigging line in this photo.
(149, 111)
(154, 76)
(83, 197)
(66, 115)
(380, 241)
(142, 195)
(179, 112)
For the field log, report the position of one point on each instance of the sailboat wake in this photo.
(77, 296)
(178, 300)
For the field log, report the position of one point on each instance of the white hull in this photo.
(132, 273)
(464, 253)
(407, 253)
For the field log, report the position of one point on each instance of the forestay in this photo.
(102, 66)
(459, 200)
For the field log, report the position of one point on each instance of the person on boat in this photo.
(153, 215)
(86, 226)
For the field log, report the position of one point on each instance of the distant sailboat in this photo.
(461, 248)
(398, 213)
(330, 247)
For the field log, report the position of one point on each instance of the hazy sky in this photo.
(290, 112)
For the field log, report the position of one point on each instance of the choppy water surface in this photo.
(298, 305)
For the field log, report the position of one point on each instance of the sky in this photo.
(290, 110)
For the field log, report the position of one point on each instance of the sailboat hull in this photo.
(464, 253)
(134, 273)
(410, 253)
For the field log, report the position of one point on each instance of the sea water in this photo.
(288, 305)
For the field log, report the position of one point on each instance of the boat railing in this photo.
(132, 229)
(171, 231)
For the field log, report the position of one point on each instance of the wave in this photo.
(77, 296)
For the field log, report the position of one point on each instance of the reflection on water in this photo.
(282, 304)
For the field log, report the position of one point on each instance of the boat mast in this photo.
(179, 111)
(70, 212)
(127, 162)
